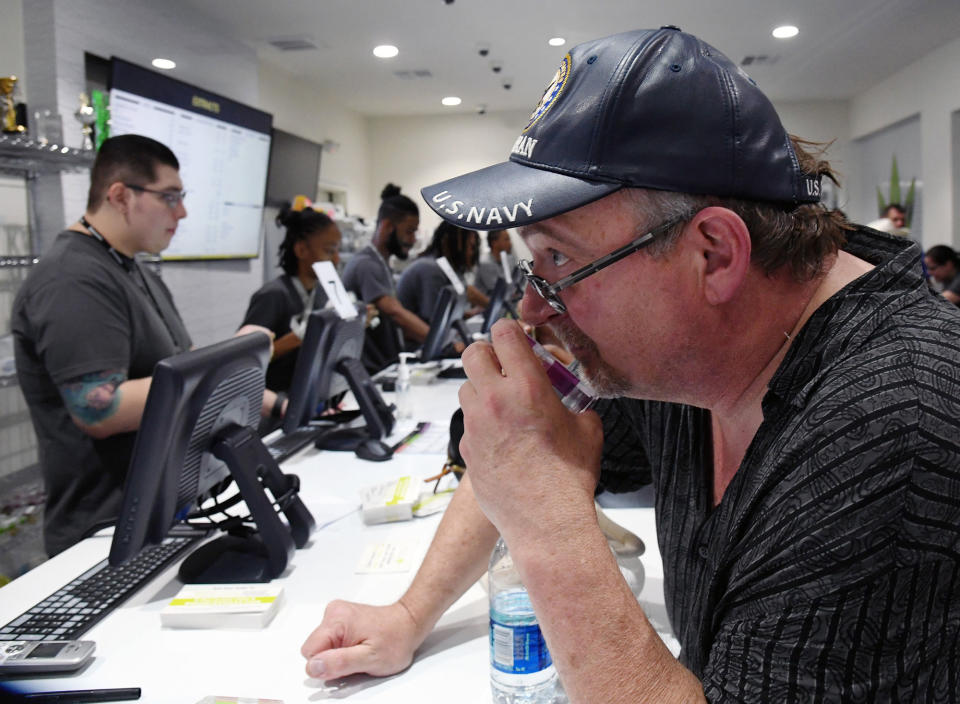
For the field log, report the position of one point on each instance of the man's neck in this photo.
(306, 276)
(108, 230)
(737, 416)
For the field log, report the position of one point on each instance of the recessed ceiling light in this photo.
(556, 41)
(165, 64)
(786, 31)
(451, 100)
(385, 51)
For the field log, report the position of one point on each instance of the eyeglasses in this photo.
(171, 198)
(549, 292)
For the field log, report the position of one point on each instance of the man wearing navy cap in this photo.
(791, 384)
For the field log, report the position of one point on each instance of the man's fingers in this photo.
(333, 664)
(513, 350)
(481, 364)
(323, 638)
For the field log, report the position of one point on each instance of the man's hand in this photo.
(377, 640)
(527, 455)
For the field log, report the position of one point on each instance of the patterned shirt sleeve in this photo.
(624, 466)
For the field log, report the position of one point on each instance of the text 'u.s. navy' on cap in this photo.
(646, 109)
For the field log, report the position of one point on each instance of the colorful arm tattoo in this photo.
(92, 398)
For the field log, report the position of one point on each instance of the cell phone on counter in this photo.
(24, 657)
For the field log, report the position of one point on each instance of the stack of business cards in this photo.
(223, 606)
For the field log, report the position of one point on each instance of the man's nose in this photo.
(534, 309)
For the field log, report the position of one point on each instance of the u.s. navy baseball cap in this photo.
(647, 109)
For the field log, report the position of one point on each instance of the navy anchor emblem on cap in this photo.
(552, 91)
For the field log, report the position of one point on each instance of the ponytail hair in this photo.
(299, 224)
(394, 206)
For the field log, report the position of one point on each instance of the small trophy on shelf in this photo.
(7, 105)
(86, 116)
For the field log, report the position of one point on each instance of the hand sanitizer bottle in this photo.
(403, 401)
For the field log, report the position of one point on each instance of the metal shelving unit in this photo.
(21, 485)
(29, 159)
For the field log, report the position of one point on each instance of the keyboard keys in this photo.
(77, 606)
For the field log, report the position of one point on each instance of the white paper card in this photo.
(387, 557)
(451, 274)
(336, 293)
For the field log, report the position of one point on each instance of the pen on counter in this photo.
(410, 437)
(82, 696)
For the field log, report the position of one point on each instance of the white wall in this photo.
(301, 110)
(414, 152)
(929, 87)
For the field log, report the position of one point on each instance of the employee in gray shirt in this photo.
(369, 277)
(490, 268)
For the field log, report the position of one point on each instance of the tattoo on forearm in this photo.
(92, 398)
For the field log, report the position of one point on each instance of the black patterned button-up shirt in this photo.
(830, 570)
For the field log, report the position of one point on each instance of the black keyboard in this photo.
(281, 447)
(78, 606)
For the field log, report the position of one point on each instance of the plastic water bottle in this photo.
(521, 669)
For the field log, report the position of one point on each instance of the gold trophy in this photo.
(86, 116)
(7, 106)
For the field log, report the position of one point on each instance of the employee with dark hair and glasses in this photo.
(89, 324)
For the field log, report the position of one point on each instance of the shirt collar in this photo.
(851, 314)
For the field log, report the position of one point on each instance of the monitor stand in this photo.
(367, 440)
(248, 555)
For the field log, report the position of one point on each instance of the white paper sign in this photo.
(451, 274)
(332, 286)
(507, 269)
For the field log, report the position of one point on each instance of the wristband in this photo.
(277, 410)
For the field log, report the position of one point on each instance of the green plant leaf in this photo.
(881, 203)
(894, 182)
(908, 202)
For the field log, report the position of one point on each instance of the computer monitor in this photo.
(447, 314)
(329, 364)
(197, 431)
(496, 306)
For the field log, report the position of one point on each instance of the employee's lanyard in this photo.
(130, 265)
(306, 298)
(125, 262)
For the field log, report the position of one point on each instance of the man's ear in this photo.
(384, 227)
(723, 241)
(118, 196)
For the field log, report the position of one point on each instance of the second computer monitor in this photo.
(314, 377)
(496, 306)
(328, 365)
(446, 312)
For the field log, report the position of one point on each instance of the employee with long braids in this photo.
(311, 236)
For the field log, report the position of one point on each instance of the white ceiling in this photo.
(844, 46)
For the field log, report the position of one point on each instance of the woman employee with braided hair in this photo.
(311, 236)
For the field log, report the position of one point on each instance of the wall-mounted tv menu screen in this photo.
(223, 148)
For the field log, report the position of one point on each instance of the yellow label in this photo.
(399, 491)
(222, 600)
(204, 104)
